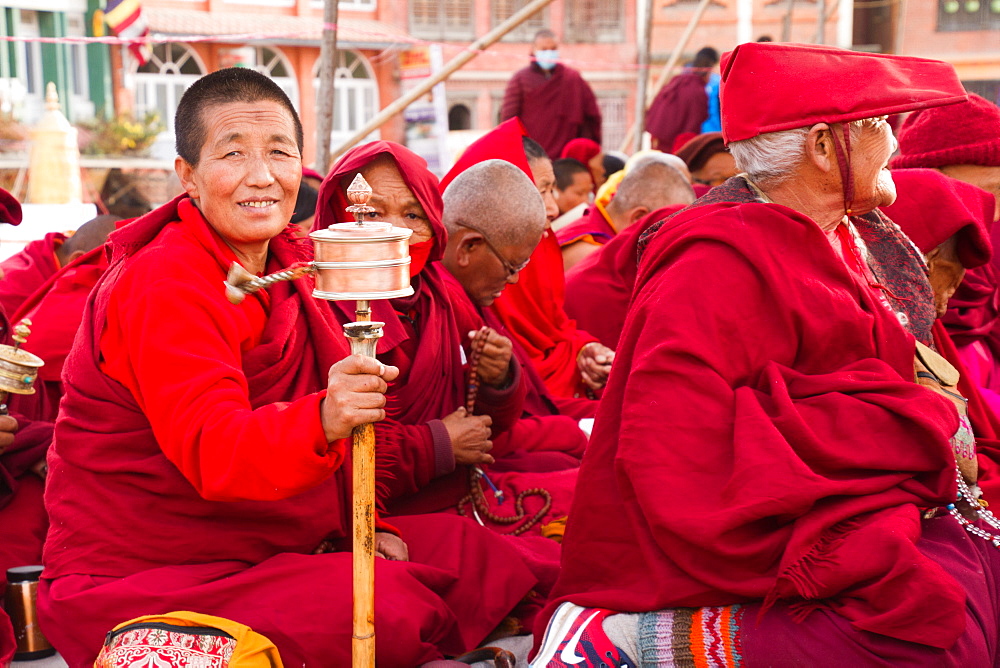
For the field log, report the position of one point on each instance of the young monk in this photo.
(570, 360)
(203, 472)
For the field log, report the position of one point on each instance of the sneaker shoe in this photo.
(575, 638)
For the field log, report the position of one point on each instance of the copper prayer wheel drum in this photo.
(362, 261)
(18, 368)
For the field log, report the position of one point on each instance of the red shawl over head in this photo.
(723, 465)
(428, 351)
(599, 287)
(931, 208)
(504, 142)
(24, 272)
(532, 309)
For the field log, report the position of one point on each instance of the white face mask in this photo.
(547, 59)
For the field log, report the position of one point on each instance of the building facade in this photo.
(597, 37)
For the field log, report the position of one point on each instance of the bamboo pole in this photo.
(668, 68)
(645, 30)
(821, 22)
(327, 87)
(450, 67)
(363, 336)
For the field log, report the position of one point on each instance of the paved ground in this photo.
(520, 645)
(51, 662)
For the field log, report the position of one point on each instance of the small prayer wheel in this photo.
(359, 261)
(18, 368)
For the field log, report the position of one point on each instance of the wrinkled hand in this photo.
(494, 360)
(390, 546)
(470, 437)
(355, 395)
(594, 362)
(8, 426)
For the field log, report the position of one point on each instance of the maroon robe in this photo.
(726, 468)
(23, 273)
(555, 107)
(681, 106)
(599, 287)
(425, 336)
(592, 227)
(227, 524)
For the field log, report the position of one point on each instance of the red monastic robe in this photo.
(556, 107)
(681, 106)
(726, 468)
(199, 424)
(23, 273)
(426, 336)
(532, 309)
(593, 228)
(599, 287)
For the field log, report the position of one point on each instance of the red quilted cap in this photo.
(772, 86)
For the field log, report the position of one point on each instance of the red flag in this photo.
(124, 18)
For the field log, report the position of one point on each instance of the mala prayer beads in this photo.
(476, 497)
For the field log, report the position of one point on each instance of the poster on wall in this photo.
(426, 119)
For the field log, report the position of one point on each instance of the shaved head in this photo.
(89, 236)
(499, 200)
(495, 217)
(646, 157)
(651, 184)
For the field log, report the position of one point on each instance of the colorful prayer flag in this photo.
(124, 18)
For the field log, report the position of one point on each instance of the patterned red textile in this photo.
(727, 472)
(599, 288)
(216, 479)
(556, 106)
(25, 272)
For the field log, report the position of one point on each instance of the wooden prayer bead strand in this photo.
(476, 497)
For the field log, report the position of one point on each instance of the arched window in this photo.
(272, 62)
(356, 96)
(459, 118)
(159, 85)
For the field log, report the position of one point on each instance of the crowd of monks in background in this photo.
(545, 303)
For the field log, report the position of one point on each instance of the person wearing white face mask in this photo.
(552, 100)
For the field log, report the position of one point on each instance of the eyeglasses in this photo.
(510, 268)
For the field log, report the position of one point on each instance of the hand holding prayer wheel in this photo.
(355, 394)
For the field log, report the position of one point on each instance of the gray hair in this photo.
(499, 200)
(652, 184)
(773, 157)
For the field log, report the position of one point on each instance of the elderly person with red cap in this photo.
(764, 464)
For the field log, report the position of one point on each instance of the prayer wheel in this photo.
(359, 261)
(18, 368)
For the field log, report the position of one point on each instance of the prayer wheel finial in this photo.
(359, 192)
(18, 368)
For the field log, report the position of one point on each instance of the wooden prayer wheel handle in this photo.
(363, 336)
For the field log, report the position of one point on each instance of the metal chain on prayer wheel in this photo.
(18, 368)
(360, 262)
(476, 498)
